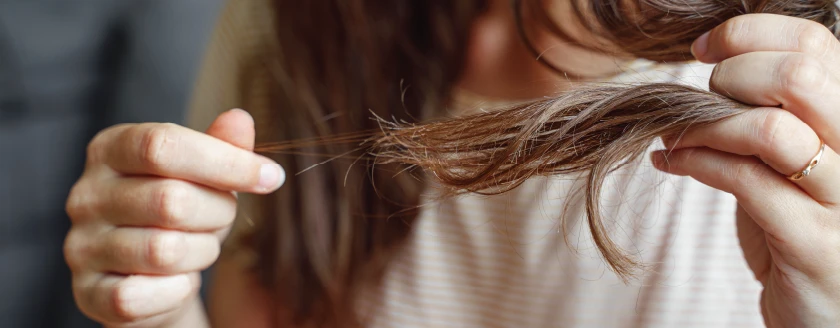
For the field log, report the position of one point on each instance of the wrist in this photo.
(191, 316)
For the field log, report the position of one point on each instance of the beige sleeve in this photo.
(241, 34)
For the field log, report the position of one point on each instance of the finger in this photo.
(754, 245)
(236, 127)
(799, 231)
(173, 151)
(166, 203)
(779, 139)
(154, 251)
(137, 299)
(765, 32)
(773, 203)
(796, 82)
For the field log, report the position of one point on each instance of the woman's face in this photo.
(499, 65)
(573, 53)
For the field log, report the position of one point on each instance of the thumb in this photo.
(235, 127)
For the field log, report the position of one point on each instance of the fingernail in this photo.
(272, 176)
(700, 46)
(240, 110)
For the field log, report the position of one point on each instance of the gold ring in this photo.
(807, 170)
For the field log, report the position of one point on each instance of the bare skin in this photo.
(789, 231)
(149, 214)
(500, 67)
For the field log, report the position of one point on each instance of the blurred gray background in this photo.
(69, 68)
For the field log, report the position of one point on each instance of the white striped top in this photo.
(503, 261)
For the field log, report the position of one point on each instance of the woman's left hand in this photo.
(789, 230)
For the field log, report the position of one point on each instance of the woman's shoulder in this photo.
(242, 33)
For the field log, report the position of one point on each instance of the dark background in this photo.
(69, 68)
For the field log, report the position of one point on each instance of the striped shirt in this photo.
(526, 258)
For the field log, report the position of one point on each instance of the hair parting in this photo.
(387, 69)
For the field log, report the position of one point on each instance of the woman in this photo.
(338, 246)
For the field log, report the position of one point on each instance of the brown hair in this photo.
(331, 231)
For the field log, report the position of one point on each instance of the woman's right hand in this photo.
(150, 211)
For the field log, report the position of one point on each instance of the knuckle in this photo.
(83, 298)
(95, 148)
(98, 146)
(215, 249)
(733, 31)
(77, 249)
(776, 132)
(172, 199)
(815, 38)
(720, 74)
(81, 205)
(86, 297)
(75, 206)
(121, 301)
(230, 211)
(801, 75)
(745, 176)
(165, 249)
(156, 145)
